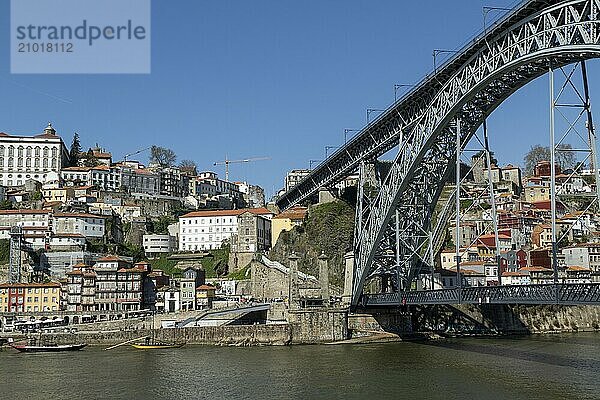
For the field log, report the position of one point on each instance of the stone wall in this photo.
(239, 335)
(505, 319)
(318, 326)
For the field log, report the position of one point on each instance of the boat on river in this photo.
(155, 345)
(47, 348)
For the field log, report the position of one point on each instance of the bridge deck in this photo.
(564, 294)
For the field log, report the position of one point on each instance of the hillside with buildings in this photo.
(327, 228)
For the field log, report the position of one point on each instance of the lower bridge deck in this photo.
(562, 293)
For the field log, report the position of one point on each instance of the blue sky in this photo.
(280, 79)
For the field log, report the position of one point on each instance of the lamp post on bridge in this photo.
(347, 131)
(398, 87)
(486, 10)
(327, 148)
(436, 53)
(372, 110)
(311, 162)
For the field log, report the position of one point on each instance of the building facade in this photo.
(31, 157)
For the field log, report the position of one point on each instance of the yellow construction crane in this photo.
(226, 163)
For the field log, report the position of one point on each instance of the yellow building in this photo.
(29, 297)
(59, 194)
(286, 221)
(205, 294)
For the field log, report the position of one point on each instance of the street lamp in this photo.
(327, 148)
(487, 10)
(397, 87)
(346, 132)
(311, 162)
(437, 52)
(372, 110)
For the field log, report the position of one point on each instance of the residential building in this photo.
(294, 177)
(106, 282)
(31, 157)
(191, 278)
(516, 278)
(59, 194)
(173, 182)
(253, 233)
(253, 195)
(206, 230)
(88, 225)
(286, 221)
(29, 297)
(205, 294)
(585, 255)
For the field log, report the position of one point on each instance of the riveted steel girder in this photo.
(553, 35)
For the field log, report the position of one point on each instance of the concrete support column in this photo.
(293, 294)
(348, 277)
(324, 278)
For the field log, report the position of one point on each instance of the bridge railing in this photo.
(562, 293)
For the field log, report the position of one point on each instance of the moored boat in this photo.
(48, 348)
(156, 346)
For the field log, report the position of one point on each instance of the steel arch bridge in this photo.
(426, 124)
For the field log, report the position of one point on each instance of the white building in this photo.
(155, 245)
(206, 230)
(294, 177)
(88, 225)
(31, 157)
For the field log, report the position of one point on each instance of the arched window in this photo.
(1, 161)
(11, 162)
(28, 162)
(1, 150)
(28, 151)
(11, 151)
(54, 151)
(20, 162)
(45, 162)
(53, 162)
(45, 152)
(37, 162)
(37, 151)
(20, 151)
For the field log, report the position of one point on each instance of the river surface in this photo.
(537, 367)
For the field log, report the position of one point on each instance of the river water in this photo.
(538, 367)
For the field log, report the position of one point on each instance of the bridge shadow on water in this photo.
(449, 320)
(499, 350)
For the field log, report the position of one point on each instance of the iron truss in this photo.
(565, 294)
(558, 35)
(385, 132)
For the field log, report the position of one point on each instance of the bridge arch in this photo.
(551, 37)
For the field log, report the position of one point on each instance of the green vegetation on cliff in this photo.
(327, 229)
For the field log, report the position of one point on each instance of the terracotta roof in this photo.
(80, 169)
(111, 258)
(293, 213)
(517, 273)
(24, 212)
(577, 268)
(29, 285)
(205, 287)
(226, 213)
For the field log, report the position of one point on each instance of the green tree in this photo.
(75, 152)
(90, 159)
(6, 205)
